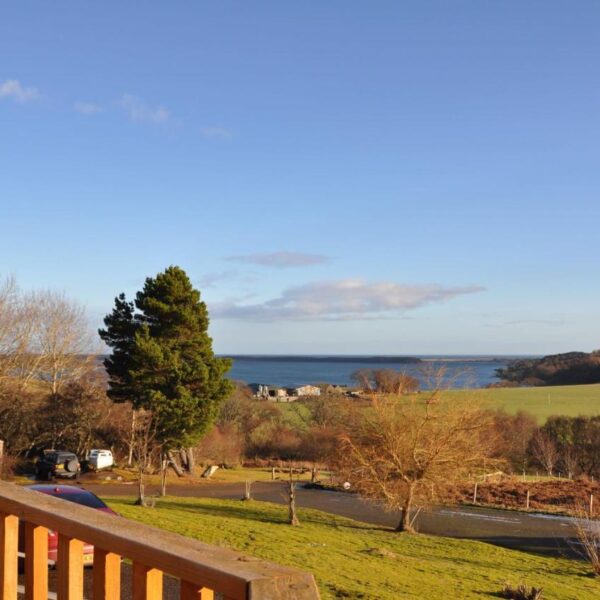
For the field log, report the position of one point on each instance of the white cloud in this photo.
(12, 88)
(347, 299)
(216, 132)
(88, 108)
(280, 260)
(139, 111)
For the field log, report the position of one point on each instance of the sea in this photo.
(291, 370)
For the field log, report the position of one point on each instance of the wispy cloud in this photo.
(347, 299)
(280, 260)
(88, 108)
(551, 322)
(12, 88)
(140, 111)
(212, 279)
(216, 132)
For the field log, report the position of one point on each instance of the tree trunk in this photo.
(314, 474)
(191, 461)
(132, 438)
(171, 462)
(292, 516)
(184, 460)
(163, 474)
(248, 490)
(141, 500)
(405, 524)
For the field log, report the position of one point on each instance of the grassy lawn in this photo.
(354, 560)
(542, 402)
(254, 474)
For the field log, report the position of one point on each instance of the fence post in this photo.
(591, 505)
(527, 501)
(475, 494)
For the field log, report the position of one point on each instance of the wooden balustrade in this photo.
(202, 569)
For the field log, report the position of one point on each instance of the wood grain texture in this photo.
(36, 562)
(9, 548)
(69, 565)
(147, 583)
(107, 575)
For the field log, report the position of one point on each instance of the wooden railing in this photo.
(205, 572)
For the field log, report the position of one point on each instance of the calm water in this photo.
(289, 371)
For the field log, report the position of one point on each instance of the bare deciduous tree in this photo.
(63, 339)
(588, 535)
(144, 438)
(544, 450)
(18, 323)
(292, 514)
(405, 451)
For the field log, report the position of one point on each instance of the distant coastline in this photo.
(325, 358)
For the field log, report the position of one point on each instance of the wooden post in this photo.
(527, 501)
(189, 591)
(475, 494)
(9, 548)
(272, 473)
(69, 564)
(591, 505)
(147, 583)
(107, 575)
(36, 562)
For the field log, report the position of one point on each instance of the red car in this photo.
(74, 494)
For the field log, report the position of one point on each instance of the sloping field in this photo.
(542, 402)
(353, 560)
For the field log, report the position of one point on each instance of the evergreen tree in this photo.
(162, 358)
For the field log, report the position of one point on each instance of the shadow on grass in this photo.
(263, 512)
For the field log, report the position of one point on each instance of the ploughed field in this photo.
(355, 560)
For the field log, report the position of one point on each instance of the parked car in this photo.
(100, 459)
(70, 494)
(58, 463)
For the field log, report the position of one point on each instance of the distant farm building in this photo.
(306, 390)
(281, 394)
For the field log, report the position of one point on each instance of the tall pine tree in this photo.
(162, 358)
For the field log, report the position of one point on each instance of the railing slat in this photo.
(190, 591)
(233, 575)
(9, 558)
(69, 565)
(36, 562)
(147, 583)
(107, 575)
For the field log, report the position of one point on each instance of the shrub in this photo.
(521, 592)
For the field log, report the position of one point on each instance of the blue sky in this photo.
(348, 177)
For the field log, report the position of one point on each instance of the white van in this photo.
(100, 459)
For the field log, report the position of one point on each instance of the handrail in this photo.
(202, 566)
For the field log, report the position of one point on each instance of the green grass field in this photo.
(354, 560)
(542, 402)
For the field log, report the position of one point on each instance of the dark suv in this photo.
(58, 464)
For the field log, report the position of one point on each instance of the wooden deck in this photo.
(206, 572)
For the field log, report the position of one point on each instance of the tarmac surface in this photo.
(532, 532)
